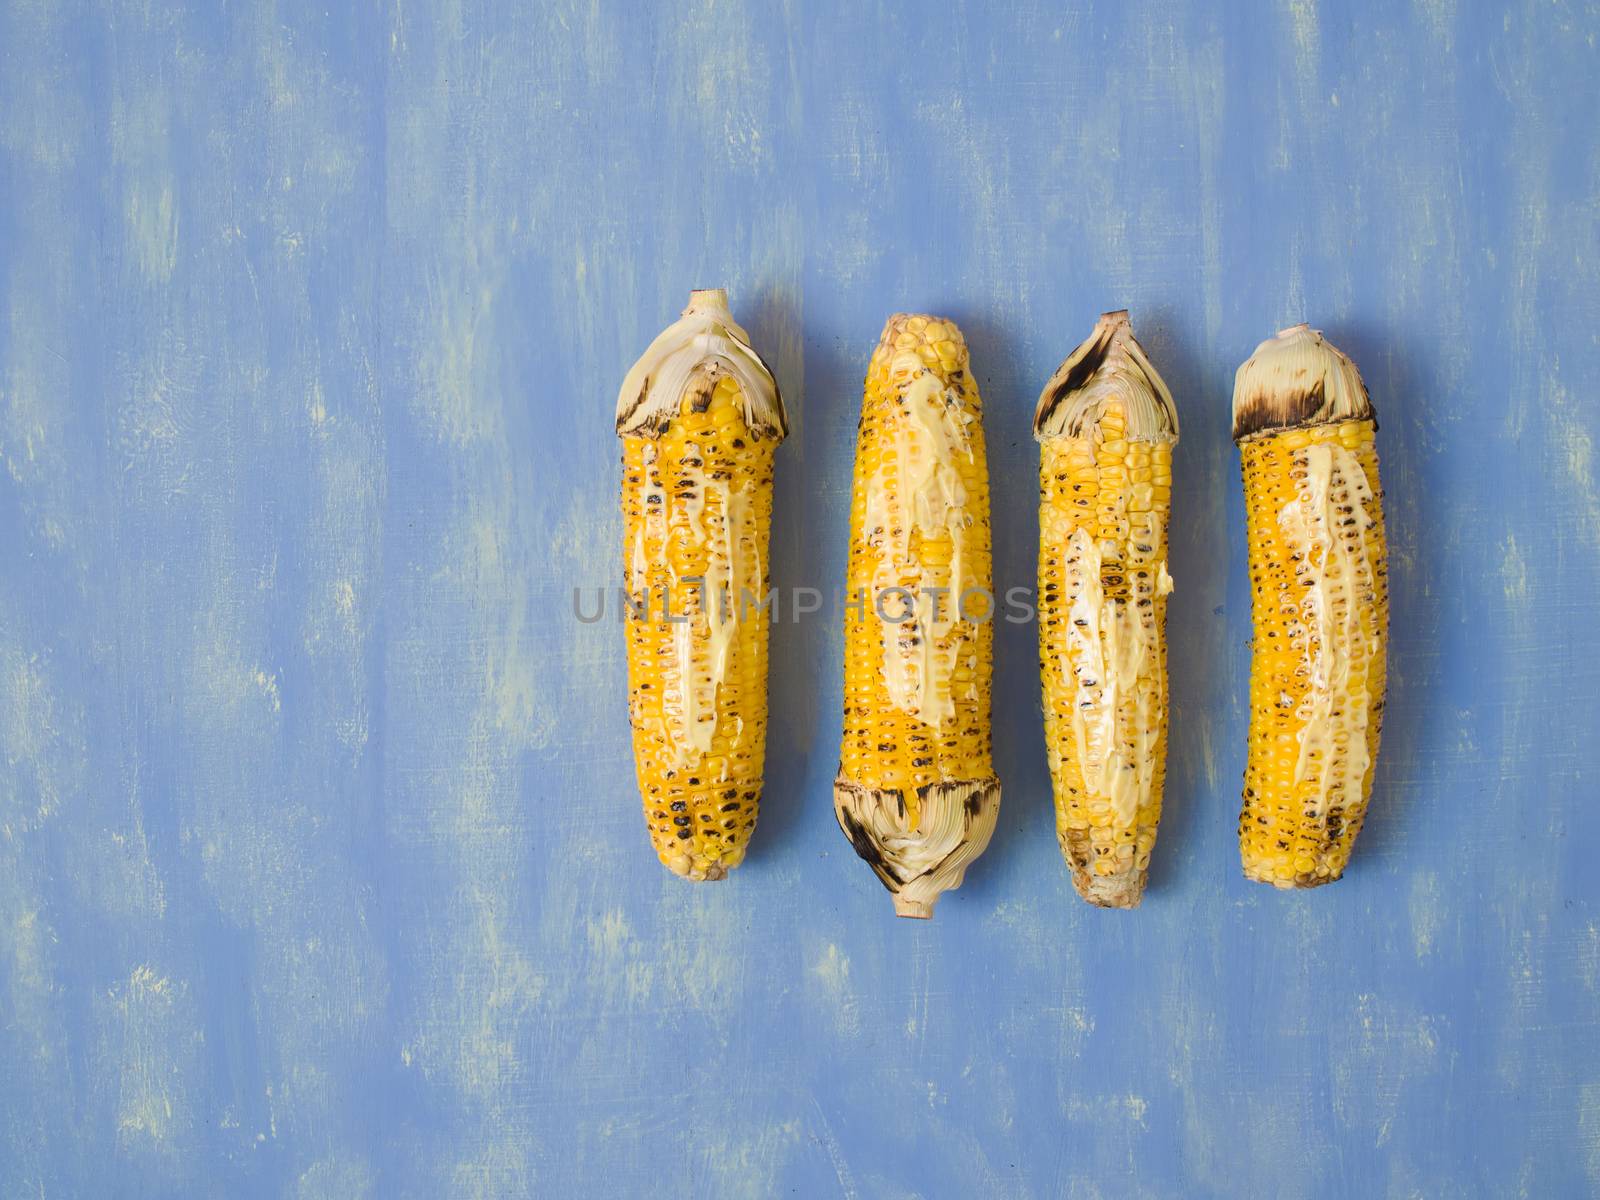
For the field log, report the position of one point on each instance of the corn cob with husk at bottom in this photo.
(916, 792)
(1106, 426)
(699, 416)
(1319, 589)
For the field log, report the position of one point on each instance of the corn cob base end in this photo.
(1298, 884)
(1118, 889)
(1290, 879)
(687, 867)
(720, 845)
(919, 856)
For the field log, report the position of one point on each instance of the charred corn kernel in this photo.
(1319, 590)
(699, 416)
(1103, 587)
(916, 792)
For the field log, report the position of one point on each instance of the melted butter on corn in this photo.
(1106, 425)
(1326, 524)
(1319, 597)
(696, 500)
(916, 488)
(916, 792)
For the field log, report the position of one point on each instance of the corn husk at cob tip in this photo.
(1106, 425)
(916, 792)
(699, 416)
(1319, 592)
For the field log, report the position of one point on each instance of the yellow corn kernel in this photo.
(1103, 585)
(696, 507)
(916, 792)
(1319, 589)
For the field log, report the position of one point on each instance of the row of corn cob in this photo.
(700, 417)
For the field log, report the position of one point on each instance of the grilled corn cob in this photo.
(1314, 514)
(1106, 426)
(916, 793)
(699, 416)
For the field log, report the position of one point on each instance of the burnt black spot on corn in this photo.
(1319, 596)
(916, 792)
(699, 417)
(1106, 425)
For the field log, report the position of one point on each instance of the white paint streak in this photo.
(150, 1046)
(724, 68)
(337, 1179)
(1385, 1049)
(31, 742)
(831, 968)
(1427, 912)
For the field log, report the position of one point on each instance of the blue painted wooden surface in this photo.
(321, 870)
